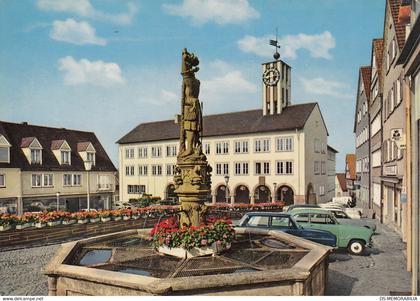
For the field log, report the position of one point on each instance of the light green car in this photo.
(354, 238)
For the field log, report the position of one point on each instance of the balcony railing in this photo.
(105, 187)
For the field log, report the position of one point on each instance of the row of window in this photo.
(362, 137)
(362, 112)
(362, 165)
(47, 180)
(390, 151)
(320, 147)
(393, 98)
(282, 144)
(240, 168)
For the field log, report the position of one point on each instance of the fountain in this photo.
(254, 262)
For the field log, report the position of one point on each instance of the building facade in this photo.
(351, 175)
(341, 185)
(409, 59)
(362, 130)
(331, 165)
(393, 122)
(43, 168)
(375, 116)
(275, 153)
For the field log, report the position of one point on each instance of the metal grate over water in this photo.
(135, 255)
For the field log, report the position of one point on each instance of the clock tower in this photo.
(276, 80)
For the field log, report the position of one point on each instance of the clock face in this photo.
(271, 76)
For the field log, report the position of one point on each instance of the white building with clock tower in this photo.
(277, 152)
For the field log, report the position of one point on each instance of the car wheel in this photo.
(356, 247)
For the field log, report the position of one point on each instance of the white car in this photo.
(342, 200)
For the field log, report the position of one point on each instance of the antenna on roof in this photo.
(274, 43)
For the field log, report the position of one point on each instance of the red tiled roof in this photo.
(26, 141)
(56, 144)
(378, 48)
(399, 28)
(82, 146)
(341, 177)
(366, 72)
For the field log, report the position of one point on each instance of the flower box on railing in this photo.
(53, 223)
(94, 220)
(23, 226)
(116, 218)
(126, 217)
(69, 222)
(105, 219)
(136, 216)
(40, 225)
(82, 221)
(5, 227)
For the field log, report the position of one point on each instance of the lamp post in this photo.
(275, 192)
(88, 167)
(57, 194)
(227, 188)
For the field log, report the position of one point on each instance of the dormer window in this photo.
(32, 150)
(62, 151)
(65, 157)
(90, 156)
(4, 150)
(87, 152)
(36, 156)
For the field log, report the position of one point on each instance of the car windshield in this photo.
(283, 222)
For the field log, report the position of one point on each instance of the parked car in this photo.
(284, 222)
(343, 217)
(354, 238)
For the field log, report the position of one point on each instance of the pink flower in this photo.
(203, 242)
(218, 242)
(225, 236)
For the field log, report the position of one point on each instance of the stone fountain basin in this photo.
(74, 272)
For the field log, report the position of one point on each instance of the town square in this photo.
(209, 147)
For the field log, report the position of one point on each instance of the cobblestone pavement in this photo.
(380, 272)
(20, 271)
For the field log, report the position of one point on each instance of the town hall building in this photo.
(277, 152)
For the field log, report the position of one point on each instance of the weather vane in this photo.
(274, 43)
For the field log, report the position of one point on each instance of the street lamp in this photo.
(57, 194)
(227, 188)
(275, 192)
(88, 167)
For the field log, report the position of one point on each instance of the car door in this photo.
(322, 221)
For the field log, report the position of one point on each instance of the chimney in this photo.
(24, 123)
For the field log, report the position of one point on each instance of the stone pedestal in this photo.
(192, 181)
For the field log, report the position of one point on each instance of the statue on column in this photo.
(192, 176)
(191, 118)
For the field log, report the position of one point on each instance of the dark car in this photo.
(285, 222)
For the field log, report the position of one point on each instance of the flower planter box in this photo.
(5, 227)
(135, 216)
(69, 222)
(194, 252)
(82, 221)
(23, 226)
(40, 225)
(105, 219)
(126, 217)
(52, 224)
(94, 220)
(116, 218)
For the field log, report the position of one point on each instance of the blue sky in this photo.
(106, 66)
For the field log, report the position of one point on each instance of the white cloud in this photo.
(223, 82)
(84, 8)
(218, 11)
(321, 86)
(97, 73)
(79, 33)
(318, 45)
